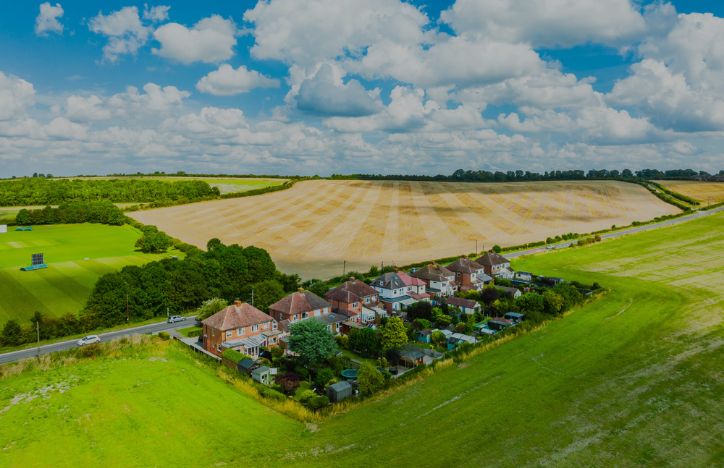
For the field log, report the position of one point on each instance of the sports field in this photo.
(313, 227)
(77, 255)
(704, 192)
(633, 378)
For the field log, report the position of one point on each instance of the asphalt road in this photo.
(63, 345)
(623, 232)
(161, 326)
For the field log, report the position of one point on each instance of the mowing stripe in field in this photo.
(24, 302)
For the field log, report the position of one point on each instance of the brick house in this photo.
(355, 299)
(302, 305)
(439, 280)
(495, 264)
(469, 274)
(240, 326)
(466, 306)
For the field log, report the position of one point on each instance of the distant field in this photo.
(8, 213)
(224, 184)
(77, 255)
(313, 227)
(705, 192)
(632, 379)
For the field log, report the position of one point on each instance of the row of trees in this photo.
(42, 191)
(461, 175)
(103, 212)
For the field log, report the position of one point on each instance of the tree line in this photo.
(43, 191)
(461, 175)
(103, 212)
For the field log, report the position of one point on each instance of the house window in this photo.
(367, 299)
(274, 325)
(240, 331)
(254, 328)
(228, 333)
(304, 315)
(354, 304)
(296, 316)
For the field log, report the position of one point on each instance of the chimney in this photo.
(237, 302)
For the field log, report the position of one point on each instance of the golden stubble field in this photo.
(705, 192)
(315, 226)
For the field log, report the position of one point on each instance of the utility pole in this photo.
(37, 331)
(476, 246)
(128, 315)
(344, 267)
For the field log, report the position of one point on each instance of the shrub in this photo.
(234, 355)
(317, 402)
(370, 379)
(272, 394)
(89, 351)
(164, 335)
(497, 248)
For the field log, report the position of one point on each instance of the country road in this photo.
(69, 344)
(161, 326)
(622, 232)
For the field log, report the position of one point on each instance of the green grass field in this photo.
(77, 255)
(633, 378)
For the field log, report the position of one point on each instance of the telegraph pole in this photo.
(37, 331)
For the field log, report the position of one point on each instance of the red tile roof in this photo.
(464, 265)
(298, 302)
(350, 291)
(460, 302)
(492, 258)
(236, 316)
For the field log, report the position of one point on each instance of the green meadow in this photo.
(633, 378)
(77, 254)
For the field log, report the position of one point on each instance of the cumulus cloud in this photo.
(48, 19)
(154, 98)
(16, 96)
(326, 94)
(547, 23)
(63, 129)
(86, 108)
(210, 40)
(306, 33)
(156, 14)
(123, 29)
(228, 81)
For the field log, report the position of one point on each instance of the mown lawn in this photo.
(77, 254)
(631, 379)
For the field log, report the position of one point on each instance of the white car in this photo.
(175, 318)
(89, 340)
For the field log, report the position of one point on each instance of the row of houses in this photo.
(354, 304)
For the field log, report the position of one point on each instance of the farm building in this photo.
(339, 391)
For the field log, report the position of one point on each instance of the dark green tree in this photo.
(11, 334)
(312, 341)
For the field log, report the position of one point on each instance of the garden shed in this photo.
(339, 391)
(262, 374)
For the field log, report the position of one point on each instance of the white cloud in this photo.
(452, 61)
(64, 129)
(547, 23)
(228, 81)
(124, 30)
(154, 98)
(47, 20)
(156, 14)
(16, 96)
(309, 32)
(325, 93)
(210, 40)
(86, 108)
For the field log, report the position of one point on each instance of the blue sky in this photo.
(340, 86)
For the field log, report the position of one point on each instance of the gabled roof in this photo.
(237, 315)
(465, 265)
(352, 290)
(433, 272)
(460, 302)
(491, 258)
(395, 280)
(298, 302)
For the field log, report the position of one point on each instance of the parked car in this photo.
(89, 340)
(175, 318)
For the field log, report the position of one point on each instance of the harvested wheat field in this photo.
(705, 192)
(313, 227)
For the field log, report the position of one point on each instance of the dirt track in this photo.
(313, 227)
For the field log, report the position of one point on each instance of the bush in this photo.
(234, 355)
(164, 335)
(153, 240)
(497, 248)
(317, 402)
(272, 394)
(370, 379)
